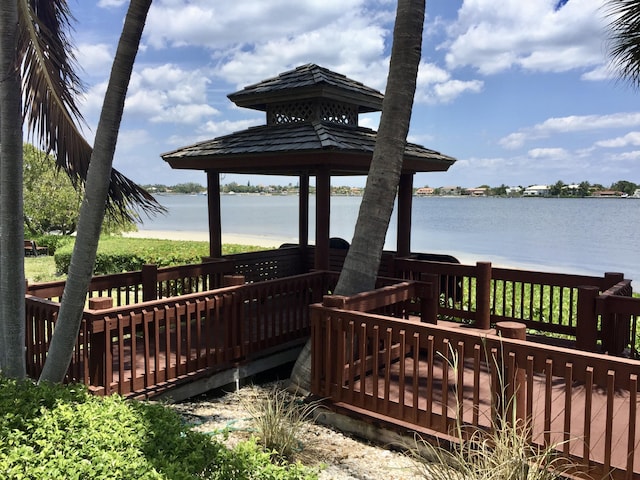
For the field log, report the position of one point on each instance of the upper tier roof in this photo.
(308, 82)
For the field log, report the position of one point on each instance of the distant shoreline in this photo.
(227, 238)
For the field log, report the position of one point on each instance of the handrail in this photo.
(484, 295)
(394, 369)
(151, 282)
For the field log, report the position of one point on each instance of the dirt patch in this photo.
(338, 456)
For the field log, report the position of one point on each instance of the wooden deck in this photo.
(187, 330)
(558, 421)
(421, 377)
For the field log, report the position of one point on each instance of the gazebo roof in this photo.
(308, 81)
(295, 149)
(312, 124)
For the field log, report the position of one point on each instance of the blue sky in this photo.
(519, 92)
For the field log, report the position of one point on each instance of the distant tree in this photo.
(584, 189)
(557, 189)
(500, 191)
(624, 39)
(190, 187)
(624, 187)
(51, 203)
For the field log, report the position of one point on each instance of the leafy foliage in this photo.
(53, 431)
(51, 203)
(118, 254)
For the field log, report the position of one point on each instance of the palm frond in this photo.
(624, 39)
(50, 87)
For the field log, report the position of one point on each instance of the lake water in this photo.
(584, 236)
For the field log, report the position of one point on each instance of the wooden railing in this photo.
(137, 348)
(150, 283)
(547, 303)
(269, 265)
(427, 377)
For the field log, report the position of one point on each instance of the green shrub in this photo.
(118, 254)
(62, 432)
(248, 461)
(52, 432)
(53, 242)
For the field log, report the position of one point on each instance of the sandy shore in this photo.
(257, 240)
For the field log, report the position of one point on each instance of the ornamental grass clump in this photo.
(279, 419)
(500, 452)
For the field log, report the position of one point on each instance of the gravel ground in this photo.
(339, 457)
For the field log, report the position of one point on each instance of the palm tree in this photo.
(624, 39)
(12, 310)
(363, 259)
(36, 65)
(93, 205)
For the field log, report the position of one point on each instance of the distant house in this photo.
(425, 192)
(536, 191)
(449, 190)
(513, 191)
(476, 192)
(607, 194)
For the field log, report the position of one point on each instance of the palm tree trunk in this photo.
(96, 192)
(363, 260)
(12, 282)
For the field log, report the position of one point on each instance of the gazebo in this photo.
(312, 130)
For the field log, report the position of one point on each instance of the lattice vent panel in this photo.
(339, 113)
(291, 113)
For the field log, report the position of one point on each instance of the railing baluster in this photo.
(631, 437)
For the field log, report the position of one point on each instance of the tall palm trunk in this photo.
(363, 260)
(94, 202)
(12, 283)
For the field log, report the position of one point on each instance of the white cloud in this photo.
(548, 153)
(570, 124)
(495, 36)
(631, 138)
(435, 85)
(94, 59)
(213, 129)
(111, 3)
(214, 26)
(169, 94)
(634, 155)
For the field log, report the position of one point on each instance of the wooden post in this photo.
(587, 321)
(323, 212)
(483, 296)
(149, 282)
(100, 303)
(517, 379)
(232, 280)
(97, 352)
(334, 301)
(615, 328)
(611, 278)
(303, 213)
(215, 218)
(405, 197)
(429, 299)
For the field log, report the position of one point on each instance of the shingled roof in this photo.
(308, 81)
(295, 149)
(312, 123)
